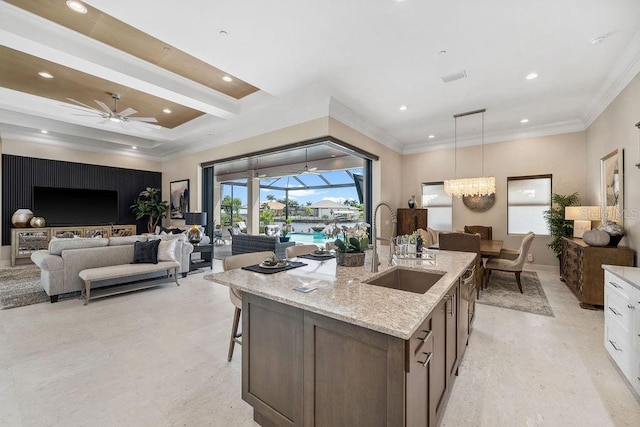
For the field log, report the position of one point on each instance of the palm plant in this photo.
(148, 204)
(558, 226)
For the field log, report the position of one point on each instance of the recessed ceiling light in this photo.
(524, 121)
(76, 6)
(45, 75)
(227, 79)
(403, 108)
(223, 33)
(431, 136)
(442, 52)
(167, 111)
(134, 148)
(532, 76)
(599, 39)
(44, 131)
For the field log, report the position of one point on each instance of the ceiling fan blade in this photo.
(142, 119)
(129, 111)
(80, 103)
(86, 115)
(104, 106)
(105, 121)
(123, 125)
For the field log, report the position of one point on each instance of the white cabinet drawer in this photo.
(618, 310)
(618, 285)
(618, 345)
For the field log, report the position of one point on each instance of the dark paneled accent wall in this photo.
(21, 174)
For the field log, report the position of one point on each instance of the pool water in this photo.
(318, 238)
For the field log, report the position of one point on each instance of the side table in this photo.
(205, 252)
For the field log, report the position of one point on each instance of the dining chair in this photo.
(513, 266)
(294, 251)
(465, 242)
(231, 263)
(485, 232)
(508, 253)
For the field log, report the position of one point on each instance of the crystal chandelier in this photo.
(460, 187)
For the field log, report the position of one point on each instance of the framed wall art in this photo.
(179, 198)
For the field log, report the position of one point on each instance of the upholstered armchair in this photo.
(485, 232)
(513, 266)
(464, 242)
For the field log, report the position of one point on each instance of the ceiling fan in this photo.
(255, 174)
(122, 117)
(306, 170)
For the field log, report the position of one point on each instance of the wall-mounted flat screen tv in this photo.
(74, 206)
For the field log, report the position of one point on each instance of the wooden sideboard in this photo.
(25, 241)
(409, 220)
(581, 268)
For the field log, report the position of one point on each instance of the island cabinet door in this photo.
(452, 300)
(352, 376)
(419, 356)
(272, 346)
(438, 377)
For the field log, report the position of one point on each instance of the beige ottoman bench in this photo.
(91, 275)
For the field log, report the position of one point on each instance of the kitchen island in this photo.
(349, 352)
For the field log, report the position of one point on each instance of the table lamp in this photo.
(581, 217)
(196, 219)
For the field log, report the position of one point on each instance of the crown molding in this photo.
(493, 138)
(622, 72)
(344, 114)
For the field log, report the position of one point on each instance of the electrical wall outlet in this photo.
(530, 257)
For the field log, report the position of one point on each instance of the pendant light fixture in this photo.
(459, 187)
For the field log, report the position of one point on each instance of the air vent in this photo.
(455, 76)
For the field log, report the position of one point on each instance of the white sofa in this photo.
(61, 263)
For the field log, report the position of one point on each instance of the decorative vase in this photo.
(350, 259)
(37, 222)
(412, 202)
(284, 239)
(21, 218)
(615, 231)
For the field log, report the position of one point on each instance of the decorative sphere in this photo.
(21, 218)
(37, 222)
(596, 238)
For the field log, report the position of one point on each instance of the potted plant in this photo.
(558, 226)
(148, 204)
(286, 228)
(351, 244)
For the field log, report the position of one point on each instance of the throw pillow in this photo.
(167, 250)
(145, 252)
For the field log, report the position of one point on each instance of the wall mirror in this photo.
(611, 187)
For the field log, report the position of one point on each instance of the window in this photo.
(439, 205)
(527, 198)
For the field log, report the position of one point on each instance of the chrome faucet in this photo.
(394, 220)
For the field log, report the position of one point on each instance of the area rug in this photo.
(502, 291)
(20, 286)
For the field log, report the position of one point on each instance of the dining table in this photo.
(490, 248)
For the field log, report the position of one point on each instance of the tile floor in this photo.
(158, 358)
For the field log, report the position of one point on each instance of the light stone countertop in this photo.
(341, 294)
(630, 275)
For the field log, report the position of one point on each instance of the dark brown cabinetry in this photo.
(301, 368)
(581, 268)
(409, 220)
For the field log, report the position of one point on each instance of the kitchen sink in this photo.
(404, 279)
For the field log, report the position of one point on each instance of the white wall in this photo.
(613, 129)
(563, 156)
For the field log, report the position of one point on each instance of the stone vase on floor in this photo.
(352, 259)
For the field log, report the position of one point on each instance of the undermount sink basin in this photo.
(404, 279)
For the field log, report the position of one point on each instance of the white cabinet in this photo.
(622, 320)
